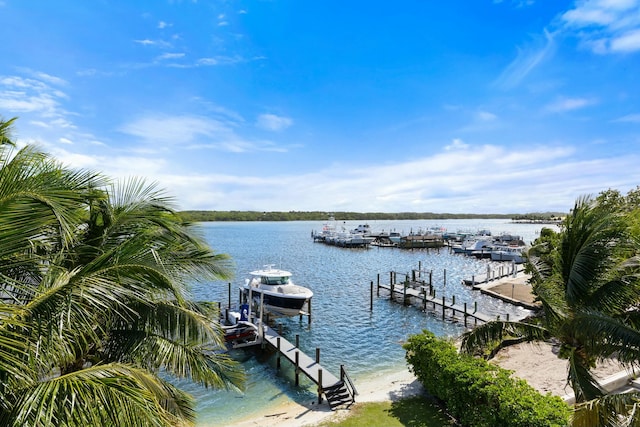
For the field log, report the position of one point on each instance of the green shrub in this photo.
(478, 393)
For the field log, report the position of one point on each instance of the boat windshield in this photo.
(274, 280)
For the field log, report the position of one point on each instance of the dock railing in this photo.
(344, 377)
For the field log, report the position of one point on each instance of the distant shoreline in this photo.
(222, 216)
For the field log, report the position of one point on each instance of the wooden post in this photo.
(424, 298)
(473, 280)
(371, 297)
(297, 363)
(404, 290)
(297, 340)
(309, 313)
(319, 386)
(278, 359)
(465, 314)
(378, 287)
(391, 279)
(442, 307)
(229, 295)
(317, 354)
(261, 317)
(445, 277)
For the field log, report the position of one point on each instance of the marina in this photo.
(352, 327)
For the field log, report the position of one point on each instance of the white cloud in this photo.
(628, 42)
(146, 42)
(273, 122)
(568, 104)
(163, 24)
(194, 132)
(220, 60)
(485, 116)
(168, 55)
(527, 59)
(456, 144)
(24, 95)
(606, 26)
(630, 118)
(523, 180)
(65, 141)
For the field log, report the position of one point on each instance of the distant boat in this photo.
(277, 291)
(508, 253)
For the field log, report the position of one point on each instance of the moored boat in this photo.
(276, 290)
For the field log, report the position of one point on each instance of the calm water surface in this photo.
(368, 343)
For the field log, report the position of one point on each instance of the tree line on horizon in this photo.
(206, 216)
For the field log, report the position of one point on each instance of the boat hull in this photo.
(279, 304)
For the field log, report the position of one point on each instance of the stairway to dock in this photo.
(339, 392)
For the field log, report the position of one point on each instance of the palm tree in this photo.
(587, 283)
(94, 307)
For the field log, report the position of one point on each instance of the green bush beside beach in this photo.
(478, 393)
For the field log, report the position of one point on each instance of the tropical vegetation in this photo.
(201, 216)
(477, 393)
(95, 312)
(587, 279)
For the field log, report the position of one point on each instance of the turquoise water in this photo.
(342, 326)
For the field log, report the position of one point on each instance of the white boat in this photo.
(508, 253)
(277, 291)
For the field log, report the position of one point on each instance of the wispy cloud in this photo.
(606, 26)
(169, 55)
(569, 104)
(629, 118)
(456, 144)
(19, 95)
(529, 175)
(194, 132)
(220, 60)
(273, 122)
(527, 59)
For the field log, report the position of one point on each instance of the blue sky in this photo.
(425, 106)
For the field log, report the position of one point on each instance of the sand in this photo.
(536, 363)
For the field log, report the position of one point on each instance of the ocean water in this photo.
(367, 342)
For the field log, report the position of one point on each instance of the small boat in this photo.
(242, 331)
(508, 253)
(277, 291)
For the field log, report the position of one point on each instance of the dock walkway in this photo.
(339, 392)
(419, 291)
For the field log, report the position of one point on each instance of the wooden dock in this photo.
(338, 391)
(421, 293)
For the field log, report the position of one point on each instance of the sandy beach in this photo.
(536, 363)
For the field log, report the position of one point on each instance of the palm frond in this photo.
(111, 394)
(584, 384)
(495, 332)
(614, 410)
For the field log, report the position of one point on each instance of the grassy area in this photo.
(410, 412)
